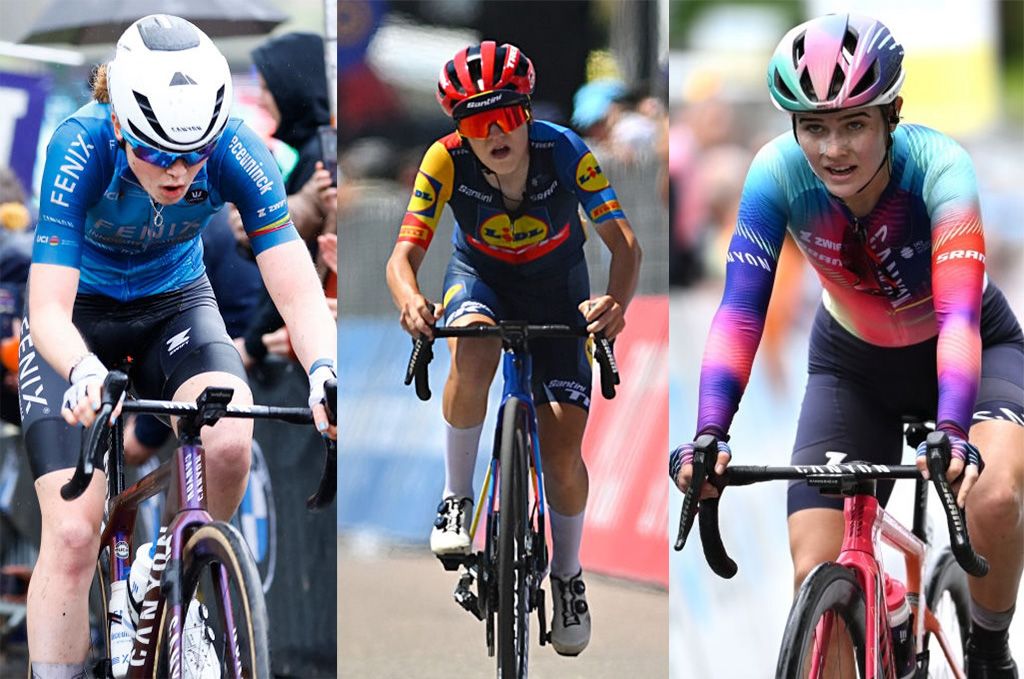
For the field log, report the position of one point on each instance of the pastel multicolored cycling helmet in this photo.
(485, 77)
(836, 62)
(169, 85)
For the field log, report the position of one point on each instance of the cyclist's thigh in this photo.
(190, 342)
(1001, 388)
(469, 300)
(560, 427)
(50, 442)
(562, 368)
(844, 416)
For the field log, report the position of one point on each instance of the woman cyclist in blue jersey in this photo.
(130, 181)
(515, 186)
(910, 323)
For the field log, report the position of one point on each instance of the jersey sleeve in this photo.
(249, 177)
(750, 273)
(582, 173)
(958, 272)
(73, 180)
(430, 193)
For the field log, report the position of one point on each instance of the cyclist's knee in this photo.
(230, 449)
(474, 366)
(996, 504)
(74, 540)
(815, 536)
(563, 465)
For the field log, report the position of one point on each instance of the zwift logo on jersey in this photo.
(588, 174)
(424, 196)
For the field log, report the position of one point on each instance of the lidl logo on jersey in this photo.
(588, 174)
(424, 196)
(499, 232)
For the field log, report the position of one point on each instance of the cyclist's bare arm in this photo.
(607, 312)
(51, 301)
(292, 283)
(416, 312)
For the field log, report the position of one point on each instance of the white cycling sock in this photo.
(460, 460)
(566, 535)
(60, 670)
(996, 621)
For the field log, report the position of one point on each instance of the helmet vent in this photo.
(867, 80)
(849, 43)
(782, 88)
(453, 77)
(164, 33)
(838, 78)
(798, 50)
(807, 86)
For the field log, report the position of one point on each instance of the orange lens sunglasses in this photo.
(478, 125)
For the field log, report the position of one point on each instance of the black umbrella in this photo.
(92, 22)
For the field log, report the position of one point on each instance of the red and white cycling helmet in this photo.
(169, 84)
(484, 77)
(836, 62)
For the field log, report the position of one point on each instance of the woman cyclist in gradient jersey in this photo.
(909, 323)
(515, 186)
(130, 181)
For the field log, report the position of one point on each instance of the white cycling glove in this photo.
(89, 369)
(322, 370)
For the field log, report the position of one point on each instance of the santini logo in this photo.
(485, 102)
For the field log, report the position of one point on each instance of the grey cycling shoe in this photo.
(570, 625)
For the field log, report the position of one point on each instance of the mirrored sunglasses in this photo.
(478, 125)
(165, 159)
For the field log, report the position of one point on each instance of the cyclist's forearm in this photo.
(402, 268)
(51, 298)
(293, 285)
(624, 270)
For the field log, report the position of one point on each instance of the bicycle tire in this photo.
(99, 616)
(513, 561)
(830, 588)
(219, 546)
(948, 598)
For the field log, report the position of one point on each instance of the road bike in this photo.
(502, 584)
(195, 557)
(840, 609)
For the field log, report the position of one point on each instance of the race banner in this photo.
(22, 99)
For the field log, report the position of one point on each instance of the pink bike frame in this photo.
(866, 524)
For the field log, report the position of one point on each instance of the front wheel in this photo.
(231, 640)
(948, 599)
(513, 556)
(825, 631)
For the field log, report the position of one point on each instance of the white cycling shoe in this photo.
(451, 527)
(570, 624)
(201, 660)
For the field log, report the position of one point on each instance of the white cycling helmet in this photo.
(169, 84)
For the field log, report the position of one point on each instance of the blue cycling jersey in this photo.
(95, 216)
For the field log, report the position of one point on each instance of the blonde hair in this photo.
(100, 90)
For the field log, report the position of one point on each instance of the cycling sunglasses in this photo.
(478, 125)
(165, 159)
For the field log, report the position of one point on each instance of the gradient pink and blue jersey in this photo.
(913, 268)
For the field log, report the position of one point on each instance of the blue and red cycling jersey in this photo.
(912, 269)
(95, 216)
(544, 235)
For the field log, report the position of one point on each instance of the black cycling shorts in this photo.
(858, 393)
(170, 338)
(562, 369)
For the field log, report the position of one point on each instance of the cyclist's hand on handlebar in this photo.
(965, 465)
(418, 316)
(317, 396)
(604, 314)
(680, 467)
(82, 399)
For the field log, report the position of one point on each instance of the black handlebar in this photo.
(114, 386)
(510, 333)
(705, 455)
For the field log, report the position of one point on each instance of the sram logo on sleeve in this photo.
(588, 174)
(960, 254)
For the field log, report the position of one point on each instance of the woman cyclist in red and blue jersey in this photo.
(130, 181)
(909, 323)
(515, 186)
